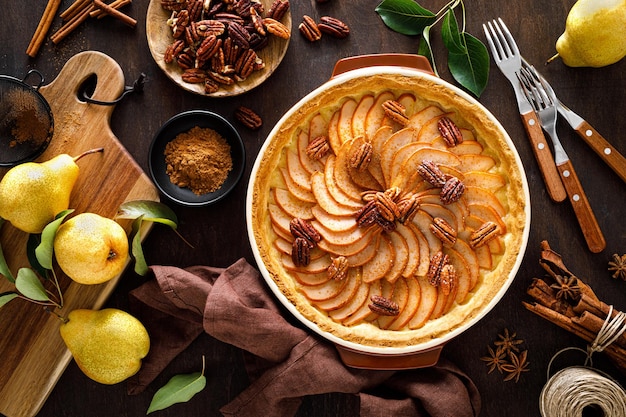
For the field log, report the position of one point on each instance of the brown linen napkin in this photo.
(285, 362)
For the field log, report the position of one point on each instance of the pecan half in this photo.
(276, 28)
(338, 268)
(208, 47)
(387, 208)
(450, 131)
(443, 230)
(308, 28)
(396, 112)
(302, 228)
(245, 63)
(194, 75)
(318, 147)
(368, 214)
(361, 156)
(300, 252)
(447, 279)
(278, 9)
(239, 35)
(173, 5)
(333, 27)
(249, 119)
(482, 235)
(452, 190)
(383, 306)
(432, 174)
(437, 262)
(173, 50)
(211, 86)
(407, 208)
(257, 21)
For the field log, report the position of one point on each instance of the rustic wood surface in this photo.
(219, 234)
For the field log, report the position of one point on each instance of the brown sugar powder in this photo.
(198, 159)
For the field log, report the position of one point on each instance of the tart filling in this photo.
(388, 209)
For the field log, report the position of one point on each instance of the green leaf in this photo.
(452, 39)
(31, 245)
(470, 69)
(426, 50)
(4, 267)
(141, 266)
(153, 211)
(6, 297)
(29, 285)
(179, 389)
(405, 16)
(44, 250)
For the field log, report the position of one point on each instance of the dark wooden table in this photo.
(219, 232)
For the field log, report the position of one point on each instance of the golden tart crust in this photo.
(287, 185)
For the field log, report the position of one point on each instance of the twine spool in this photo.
(572, 390)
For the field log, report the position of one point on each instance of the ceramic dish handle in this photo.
(418, 62)
(362, 360)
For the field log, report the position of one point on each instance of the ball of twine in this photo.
(570, 391)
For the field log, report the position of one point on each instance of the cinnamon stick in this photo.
(74, 9)
(43, 27)
(597, 307)
(115, 13)
(594, 323)
(117, 4)
(71, 24)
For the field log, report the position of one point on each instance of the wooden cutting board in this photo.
(32, 353)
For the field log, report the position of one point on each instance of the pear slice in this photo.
(314, 267)
(346, 238)
(333, 133)
(291, 205)
(346, 295)
(326, 201)
(337, 192)
(430, 129)
(413, 248)
(377, 113)
(437, 210)
(467, 147)
(344, 124)
(381, 263)
(484, 257)
(391, 146)
(349, 250)
(420, 118)
(480, 196)
(298, 174)
(360, 115)
(410, 165)
(364, 313)
(295, 189)
(471, 260)
(402, 154)
(364, 256)
(341, 173)
(401, 259)
(311, 280)
(422, 222)
(352, 307)
(487, 180)
(413, 303)
(332, 222)
(330, 289)
(398, 292)
(362, 177)
(424, 251)
(279, 219)
(428, 299)
(487, 214)
(463, 275)
(380, 137)
(474, 162)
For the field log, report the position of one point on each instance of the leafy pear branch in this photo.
(468, 59)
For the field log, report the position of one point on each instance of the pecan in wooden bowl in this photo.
(388, 211)
(218, 48)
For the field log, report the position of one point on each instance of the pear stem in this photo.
(90, 151)
(54, 313)
(552, 58)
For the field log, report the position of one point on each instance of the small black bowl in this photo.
(183, 122)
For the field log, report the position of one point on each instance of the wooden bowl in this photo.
(159, 36)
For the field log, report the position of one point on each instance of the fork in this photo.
(507, 57)
(543, 101)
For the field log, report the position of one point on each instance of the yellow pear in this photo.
(32, 193)
(594, 34)
(91, 249)
(107, 345)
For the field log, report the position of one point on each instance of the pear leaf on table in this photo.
(4, 267)
(179, 389)
(44, 250)
(141, 266)
(406, 17)
(471, 69)
(6, 297)
(28, 284)
(153, 211)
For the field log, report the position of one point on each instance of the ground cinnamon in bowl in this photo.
(199, 159)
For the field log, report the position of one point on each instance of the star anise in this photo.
(508, 342)
(516, 365)
(619, 266)
(495, 359)
(567, 288)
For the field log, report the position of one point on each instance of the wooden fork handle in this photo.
(603, 148)
(586, 219)
(544, 157)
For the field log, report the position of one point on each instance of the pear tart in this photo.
(388, 212)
